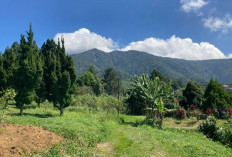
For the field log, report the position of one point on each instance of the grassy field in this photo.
(94, 133)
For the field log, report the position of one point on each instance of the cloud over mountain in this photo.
(82, 40)
(174, 47)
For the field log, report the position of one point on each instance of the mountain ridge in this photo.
(129, 63)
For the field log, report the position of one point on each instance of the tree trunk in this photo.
(21, 111)
(61, 112)
(161, 120)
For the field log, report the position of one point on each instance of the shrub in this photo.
(210, 129)
(3, 118)
(227, 133)
(192, 107)
(229, 110)
(181, 114)
(208, 112)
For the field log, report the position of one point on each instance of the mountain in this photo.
(131, 63)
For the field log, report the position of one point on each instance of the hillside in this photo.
(135, 63)
(89, 133)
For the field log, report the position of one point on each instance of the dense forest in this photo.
(131, 63)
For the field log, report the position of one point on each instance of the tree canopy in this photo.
(193, 94)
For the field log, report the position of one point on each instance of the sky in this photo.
(186, 29)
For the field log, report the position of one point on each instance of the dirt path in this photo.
(16, 140)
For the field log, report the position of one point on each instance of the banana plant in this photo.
(155, 93)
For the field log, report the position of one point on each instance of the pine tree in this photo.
(60, 77)
(40, 90)
(65, 79)
(48, 51)
(28, 74)
(193, 94)
(10, 63)
(3, 76)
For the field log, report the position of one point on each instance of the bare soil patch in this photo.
(17, 140)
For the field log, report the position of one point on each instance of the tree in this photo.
(48, 52)
(61, 77)
(28, 74)
(92, 70)
(112, 83)
(10, 63)
(90, 80)
(3, 76)
(155, 73)
(155, 92)
(40, 90)
(136, 104)
(216, 97)
(193, 94)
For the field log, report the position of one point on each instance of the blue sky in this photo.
(188, 29)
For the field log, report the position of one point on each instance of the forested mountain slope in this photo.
(131, 63)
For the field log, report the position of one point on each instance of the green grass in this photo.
(83, 129)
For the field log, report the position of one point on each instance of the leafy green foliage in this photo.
(136, 105)
(8, 94)
(92, 80)
(112, 84)
(154, 92)
(222, 134)
(193, 94)
(216, 97)
(155, 73)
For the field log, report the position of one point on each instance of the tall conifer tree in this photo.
(28, 74)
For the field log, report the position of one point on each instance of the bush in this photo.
(227, 133)
(3, 118)
(181, 114)
(210, 129)
(208, 112)
(229, 111)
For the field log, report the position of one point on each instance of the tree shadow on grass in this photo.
(47, 115)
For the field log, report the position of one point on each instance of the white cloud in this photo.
(230, 55)
(83, 40)
(174, 47)
(177, 48)
(219, 24)
(192, 5)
